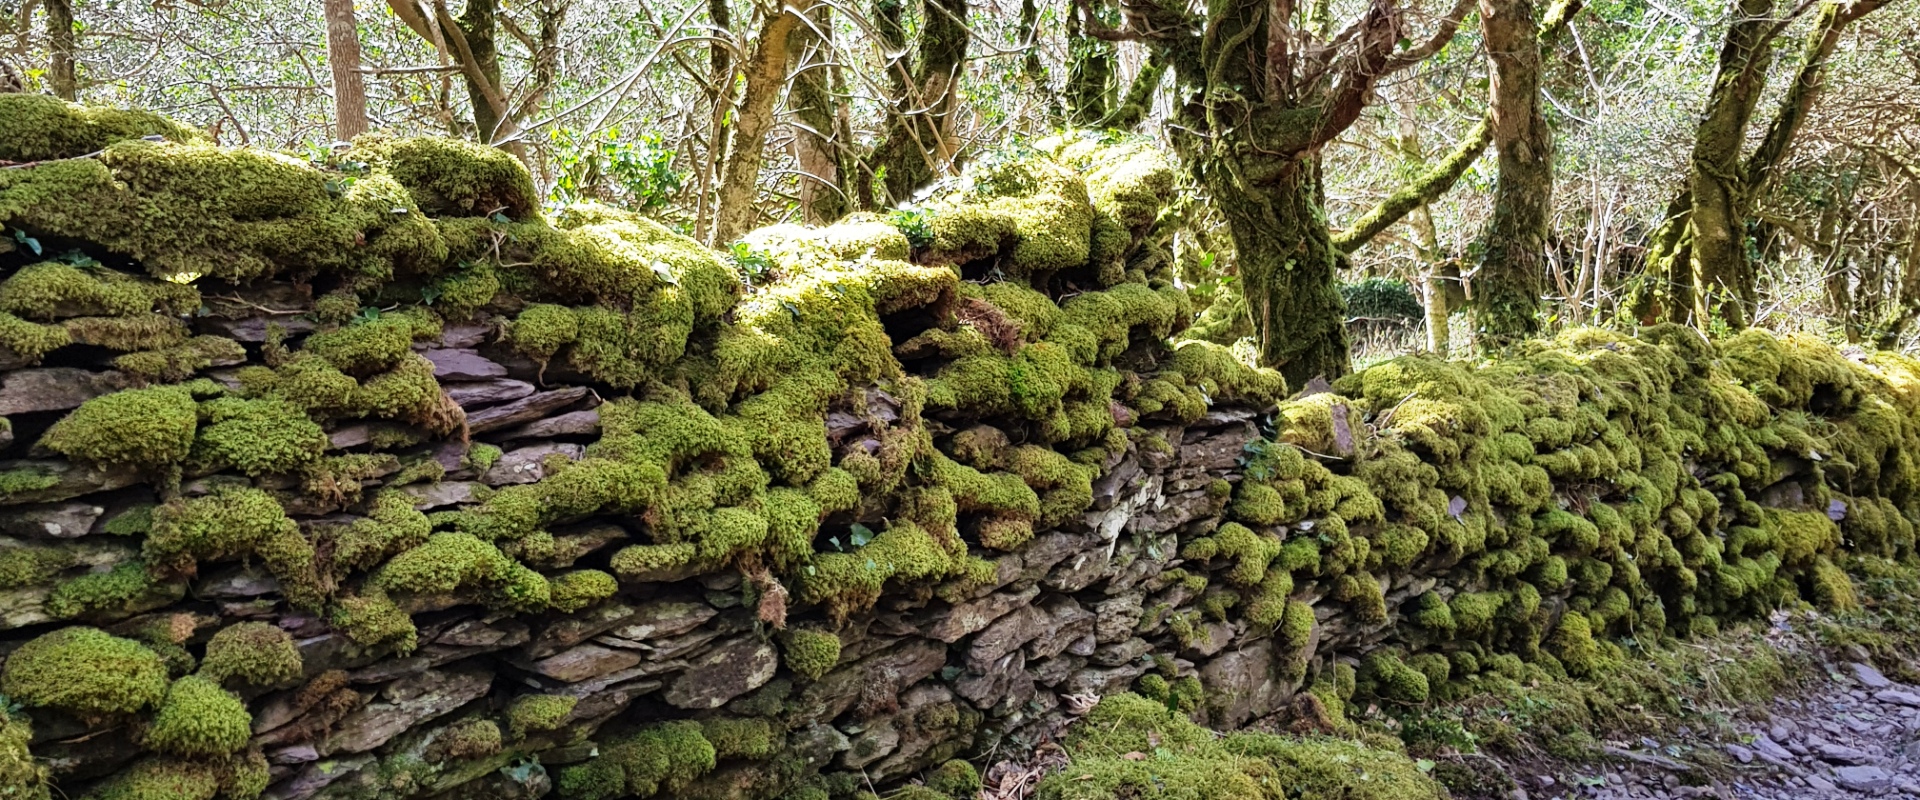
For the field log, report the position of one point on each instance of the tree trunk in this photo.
(817, 147)
(720, 102)
(766, 75)
(1286, 262)
(343, 55)
(1505, 289)
(1091, 68)
(916, 149)
(1030, 66)
(479, 27)
(60, 71)
(1138, 103)
(1722, 280)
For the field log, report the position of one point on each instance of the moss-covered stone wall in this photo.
(370, 478)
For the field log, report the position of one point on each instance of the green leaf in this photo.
(861, 535)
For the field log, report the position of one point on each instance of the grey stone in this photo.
(1740, 754)
(527, 464)
(405, 703)
(486, 393)
(50, 521)
(1870, 677)
(1863, 779)
(585, 422)
(525, 409)
(585, 661)
(967, 618)
(429, 496)
(659, 620)
(723, 673)
(55, 388)
(1841, 754)
(1005, 636)
(70, 480)
(1245, 680)
(1066, 623)
(319, 775)
(1898, 697)
(253, 330)
(458, 364)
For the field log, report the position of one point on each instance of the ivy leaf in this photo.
(30, 242)
(500, 218)
(861, 535)
(835, 541)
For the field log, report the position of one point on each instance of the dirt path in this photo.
(1855, 734)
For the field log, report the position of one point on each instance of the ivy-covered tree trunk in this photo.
(1286, 261)
(1510, 277)
(1699, 270)
(478, 26)
(60, 71)
(1267, 87)
(916, 147)
(1722, 279)
(1138, 102)
(1092, 67)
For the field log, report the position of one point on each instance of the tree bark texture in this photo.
(343, 56)
(1138, 102)
(60, 69)
(817, 145)
(1419, 192)
(917, 146)
(766, 76)
(1505, 289)
(1092, 73)
(1286, 261)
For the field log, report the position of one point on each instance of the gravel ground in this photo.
(1855, 734)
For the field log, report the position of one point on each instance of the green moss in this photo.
(230, 523)
(257, 437)
(450, 562)
(580, 589)
(811, 653)
(482, 456)
(740, 738)
(180, 362)
(31, 340)
(1183, 760)
(148, 428)
(1386, 676)
(258, 653)
(135, 520)
(27, 565)
(198, 718)
(538, 713)
(162, 779)
(451, 177)
(51, 290)
(86, 671)
(467, 739)
(956, 779)
(23, 778)
(662, 758)
(127, 589)
(364, 347)
(41, 127)
(373, 619)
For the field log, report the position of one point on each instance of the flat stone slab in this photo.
(524, 410)
(55, 389)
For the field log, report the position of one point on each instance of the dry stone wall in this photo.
(363, 478)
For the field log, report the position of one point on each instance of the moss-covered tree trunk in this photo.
(1507, 283)
(818, 147)
(916, 147)
(766, 76)
(1267, 86)
(60, 71)
(479, 24)
(1722, 279)
(1138, 101)
(1092, 73)
(343, 57)
(1286, 262)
